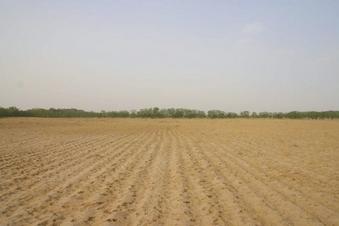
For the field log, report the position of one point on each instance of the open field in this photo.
(168, 172)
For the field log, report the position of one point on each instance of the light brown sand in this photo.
(168, 172)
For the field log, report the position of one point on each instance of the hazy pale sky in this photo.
(230, 55)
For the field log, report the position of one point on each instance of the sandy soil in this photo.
(168, 172)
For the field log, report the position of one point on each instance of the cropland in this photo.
(101, 171)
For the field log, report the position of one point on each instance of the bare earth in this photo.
(168, 172)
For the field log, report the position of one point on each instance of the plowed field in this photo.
(169, 172)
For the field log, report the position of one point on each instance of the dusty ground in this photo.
(168, 172)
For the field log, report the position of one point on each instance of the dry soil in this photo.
(168, 172)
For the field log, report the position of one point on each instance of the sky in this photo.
(230, 55)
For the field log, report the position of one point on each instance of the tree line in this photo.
(156, 112)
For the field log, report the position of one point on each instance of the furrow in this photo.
(292, 199)
(230, 207)
(131, 186)
(72, 178)
(258, 192)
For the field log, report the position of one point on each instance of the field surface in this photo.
(168, 172)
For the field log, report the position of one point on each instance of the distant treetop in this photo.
(162, 113)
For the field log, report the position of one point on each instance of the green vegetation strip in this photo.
(162, 113)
